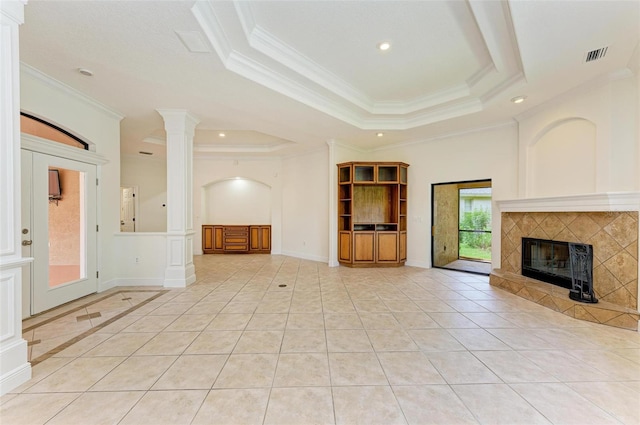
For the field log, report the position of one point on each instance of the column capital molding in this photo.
(178, 120)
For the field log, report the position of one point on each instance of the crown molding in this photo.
(51, 82)
(329, 94)
(201, 148)
(13, 10)
(447, 136)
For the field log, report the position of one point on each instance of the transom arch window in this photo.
(35, 126)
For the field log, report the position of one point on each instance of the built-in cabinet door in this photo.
(403, 246)
(207, 239)
(344, 246)
(364, 244)
(260, 239)
(218, 238)
(387, 247)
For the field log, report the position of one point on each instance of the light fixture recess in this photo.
(518, 99)
(86, 72)
(380, 134)
(384, 46)
(222, 134)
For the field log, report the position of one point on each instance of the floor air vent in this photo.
(596, 54)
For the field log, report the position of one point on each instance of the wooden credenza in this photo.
(224, 239)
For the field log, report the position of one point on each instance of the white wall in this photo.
(149, 175)
(46, 98)
(211, 170)
(141, 258)
(305, 206)
(237, 201)
(484, 154)
(611, 107)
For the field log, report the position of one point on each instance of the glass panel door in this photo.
(64, 231)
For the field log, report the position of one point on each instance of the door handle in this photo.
(121, 223)
(26, 243)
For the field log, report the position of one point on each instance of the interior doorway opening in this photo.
(461, 226)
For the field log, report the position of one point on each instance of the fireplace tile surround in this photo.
(609, 222)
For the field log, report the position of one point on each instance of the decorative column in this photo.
(333, 206)
(180, 127)
(14, 368)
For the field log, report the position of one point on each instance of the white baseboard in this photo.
(303, 256)
(421, 264)
(14, 353)
(131, 282)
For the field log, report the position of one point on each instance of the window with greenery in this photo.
(474, 227)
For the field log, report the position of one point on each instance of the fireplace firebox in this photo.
(547, 261)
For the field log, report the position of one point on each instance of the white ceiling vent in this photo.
(594, 55)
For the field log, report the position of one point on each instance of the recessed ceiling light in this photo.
(86, 72)
(379, 134)
(222, 135)
(518, 99)
(385, 45)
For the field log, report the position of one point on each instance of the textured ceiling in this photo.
(283, 77)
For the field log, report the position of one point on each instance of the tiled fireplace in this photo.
(609, 222)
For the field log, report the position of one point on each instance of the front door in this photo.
(59, 222)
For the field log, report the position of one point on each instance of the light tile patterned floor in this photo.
(333, 346)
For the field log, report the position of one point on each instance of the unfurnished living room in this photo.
(319, 212)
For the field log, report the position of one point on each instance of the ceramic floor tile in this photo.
(563, 366)
(356, 369)
(432, 405)
(78, 375)
(409, 368)
(478, 339)
(510, 366)
(391, 340)
(302, 405)
(367, 406)
(214, 342)
(167, 343)
(305, 321)
(268, 321)
(348, 340)
(342, 321)
(302, 370)
(306, 340)
(489, 320)
(190, 322)
(379, 321)
(29, 409)
(135, 373)
(461, 367)
(498, 404)
(614, 398)
(150, 324)
(247, 371)
(558, 402)
(452, 320)
(89, 408)
(415, 320)
(233, 406)
(435, 340)
(259, 342)
(122, 344)
(165, 408)
(229, 322)
(191, 373)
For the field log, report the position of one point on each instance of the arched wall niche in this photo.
(562, 159)
(236, 200)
